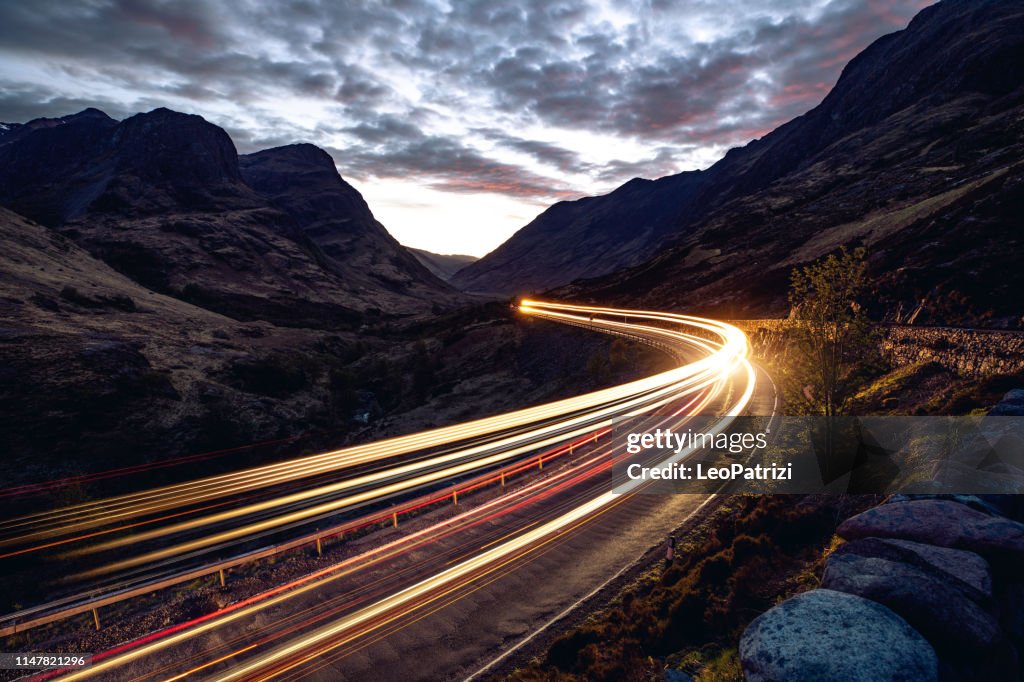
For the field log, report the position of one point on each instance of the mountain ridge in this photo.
(161, 197)
(892, 74)
(444, 265)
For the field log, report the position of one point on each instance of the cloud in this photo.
(537, 99)
(21, 102)
(394, 148)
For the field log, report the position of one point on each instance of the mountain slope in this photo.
(442, 265)
(586, 237)
(302, 181)
(161, 197)
(930, 181)
(950, 51)
(86, 354)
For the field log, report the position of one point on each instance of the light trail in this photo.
(437, 587)
(595, 410)
(724, 350)
(84, 516)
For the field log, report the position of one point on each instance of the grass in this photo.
(889, 220)
(750, 554)
(892, 382)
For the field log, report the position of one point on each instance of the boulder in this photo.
(829, 635)
(946, 616)
(978, 502)
(965, 570)
(676, 675)
(944, 523)
(1012, 404)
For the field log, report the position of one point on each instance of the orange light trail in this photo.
(722, 351)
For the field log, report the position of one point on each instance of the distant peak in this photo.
(90, 112)
(164, 119)
(300, 151)
(165, 113)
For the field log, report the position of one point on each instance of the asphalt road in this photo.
(444, 601)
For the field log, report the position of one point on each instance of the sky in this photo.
(458, 121)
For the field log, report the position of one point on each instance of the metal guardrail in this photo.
(23, 620)
(44, 614)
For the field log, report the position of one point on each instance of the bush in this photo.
(277, 376)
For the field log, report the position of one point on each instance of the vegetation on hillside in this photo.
(752, 552)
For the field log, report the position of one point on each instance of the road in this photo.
(444, 600)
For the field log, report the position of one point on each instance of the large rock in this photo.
(981, 503)
(965, 570)
(1012, 605)
(828, 635)
(938, 609)
(943, 523)
(1012, 404)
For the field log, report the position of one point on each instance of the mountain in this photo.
(302, 181)
(181, 299)
(442, 265)
(162, 198)
(587, 237)
(7, 129)
(917, 154)
(99, 372)
(920, 133)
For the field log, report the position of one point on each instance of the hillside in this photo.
(98, 371)
(442, 265)
(913, 153)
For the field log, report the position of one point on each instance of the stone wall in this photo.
(968, 352)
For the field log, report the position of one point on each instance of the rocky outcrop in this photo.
(825, 635)
(302, 181)
(163, 198)
(947, 566)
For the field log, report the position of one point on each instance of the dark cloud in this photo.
(766, 71)
(394, 149)
(413, 88)
(544, 153)
(662, 162)
(21, 102)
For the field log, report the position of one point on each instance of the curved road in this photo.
(447, 600)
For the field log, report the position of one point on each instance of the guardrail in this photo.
(49, 613)
(24, 620)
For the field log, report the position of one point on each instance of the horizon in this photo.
(455, 143)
